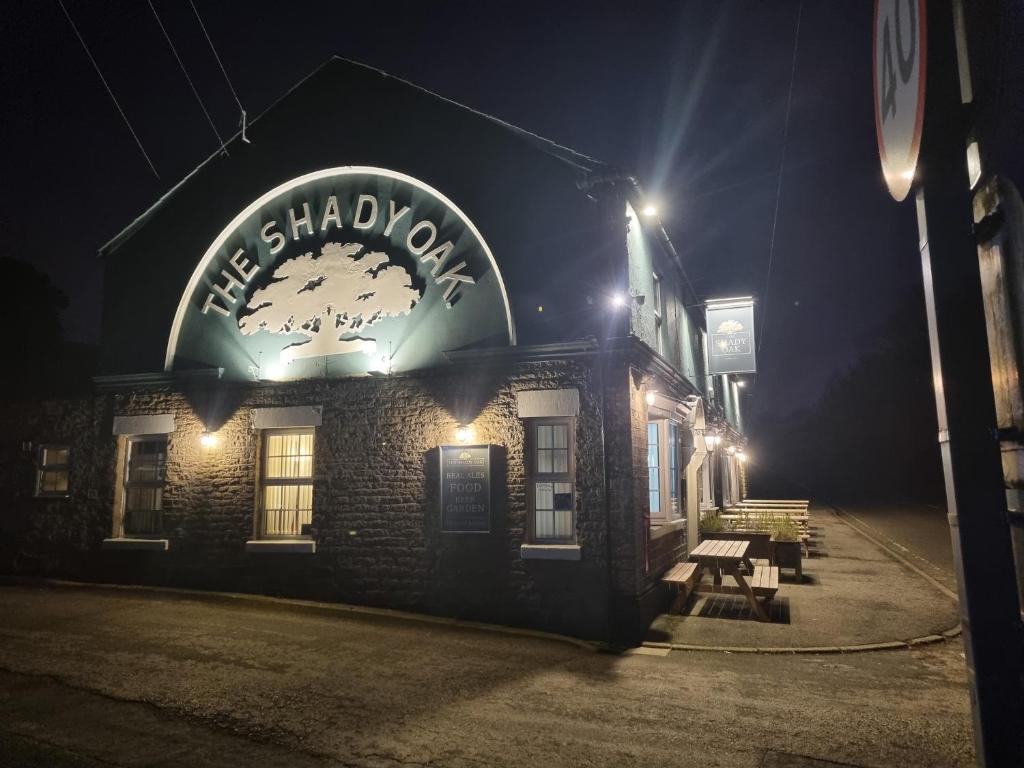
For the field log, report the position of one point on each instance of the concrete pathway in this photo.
(853, 593)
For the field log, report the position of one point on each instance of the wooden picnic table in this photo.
(725, 556)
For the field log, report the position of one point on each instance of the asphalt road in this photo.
(918, 532)
(98, 677)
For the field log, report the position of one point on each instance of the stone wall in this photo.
(375, 501)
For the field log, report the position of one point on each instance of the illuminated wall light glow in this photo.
(273, 372)
(617, 300)
(651, 397)
(208, 440)
(649, 210)
(464, 433)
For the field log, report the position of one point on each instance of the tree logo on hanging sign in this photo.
(900, 48)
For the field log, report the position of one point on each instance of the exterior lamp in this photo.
(617, 300)
(649, 210)
(464, 433)
(208, 440)
(741, 383)
(651, 396)
(741, 455)
(274, 372)
(732, 450)
(711, 441)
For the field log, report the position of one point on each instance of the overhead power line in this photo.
(103, 80)
(778, 188)
(184, 71)
(222, 69)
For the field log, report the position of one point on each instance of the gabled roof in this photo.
(583, 163)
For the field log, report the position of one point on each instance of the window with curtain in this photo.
(552, 481)
(145, 470)
(287, 482)
(52, 470)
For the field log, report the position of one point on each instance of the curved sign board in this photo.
(900, 54)
(342, 271)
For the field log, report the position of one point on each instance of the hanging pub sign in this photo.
(730, 324)
(465, 488)
(341, 271)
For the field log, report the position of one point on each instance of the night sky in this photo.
(692, 95)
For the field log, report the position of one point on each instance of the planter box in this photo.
(786, 554)
(760, 543)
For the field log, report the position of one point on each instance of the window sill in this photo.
(140, 545)
(281, 546)
(664, 529)
(550, 552)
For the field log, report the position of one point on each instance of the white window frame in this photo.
(534, 476)
(659, 314)
(263, 482)
(127, 484)
(665, 513)
(43, 468)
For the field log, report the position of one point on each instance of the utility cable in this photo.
(107, 86)
(189, 79)
(778, 188)
(222, 69)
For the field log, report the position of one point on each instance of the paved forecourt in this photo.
(853, 593)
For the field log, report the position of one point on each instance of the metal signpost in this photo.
(915, 52)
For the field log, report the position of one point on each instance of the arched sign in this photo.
(342, 271)
(900, 57)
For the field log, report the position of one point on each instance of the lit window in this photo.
(145, 469)
(664, 478)
(287, 482)
(52, 471)
(552, 481)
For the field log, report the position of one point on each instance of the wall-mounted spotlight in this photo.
(617, 300)
(651, 396)
(208, 440)
(649, 210)
(464, 433)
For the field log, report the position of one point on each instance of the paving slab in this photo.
(853, 593)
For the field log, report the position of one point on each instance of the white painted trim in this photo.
(288, 416)
(142, 545)
(548, 403)
(350, 170)
(550, 552)
(146, 424)
(664, 529)
(281, 546)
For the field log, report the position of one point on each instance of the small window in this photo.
(145, 471)
(287, 482)
(659, 315)
(52, 471)
(552, 482)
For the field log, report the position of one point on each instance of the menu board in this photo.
(465, 488)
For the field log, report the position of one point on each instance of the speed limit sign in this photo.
(900, 48)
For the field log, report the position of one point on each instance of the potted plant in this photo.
(785, 545)
(748, 529)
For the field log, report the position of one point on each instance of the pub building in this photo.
(389, 351)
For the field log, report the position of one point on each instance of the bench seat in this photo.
(681, 573)
(765, 581)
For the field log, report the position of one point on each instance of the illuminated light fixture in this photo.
(741, 383)
(540, 307)
(274, 372)
(617, 300)
(908, 175)
(732, 450)
(741, 455)
(649, 210)
(208, 440)
(381, 365)
(651, 396)
(711, 441)
(464, 433)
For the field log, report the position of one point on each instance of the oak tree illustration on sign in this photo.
(332, 298)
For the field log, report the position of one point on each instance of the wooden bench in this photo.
(765, 581)
(683, 577)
